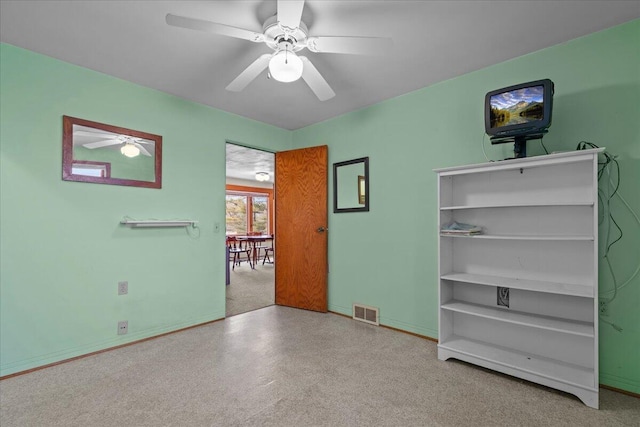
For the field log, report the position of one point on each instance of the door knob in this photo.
(321, 229)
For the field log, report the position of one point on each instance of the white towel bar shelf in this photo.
(150, 223)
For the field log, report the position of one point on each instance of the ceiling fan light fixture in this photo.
(262, 176)
(285, 66)
(130, 150)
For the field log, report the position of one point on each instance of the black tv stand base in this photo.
(519, 143)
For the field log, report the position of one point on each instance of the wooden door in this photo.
(301, 223)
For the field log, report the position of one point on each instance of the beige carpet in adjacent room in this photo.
(250, 289)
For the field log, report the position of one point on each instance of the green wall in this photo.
(387, 257)
(63, 250)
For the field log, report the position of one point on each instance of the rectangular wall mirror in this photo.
(351, 186)
(105, 154)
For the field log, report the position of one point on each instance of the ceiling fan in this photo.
(286, 34)
(130, 146)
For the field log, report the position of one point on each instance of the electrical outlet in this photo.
(123, 327)
(123, 288)
(603, 307)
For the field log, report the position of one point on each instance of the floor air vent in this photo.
(366, 314)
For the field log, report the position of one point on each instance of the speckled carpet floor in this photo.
(279, 366)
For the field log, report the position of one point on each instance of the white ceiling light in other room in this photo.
(262, 176)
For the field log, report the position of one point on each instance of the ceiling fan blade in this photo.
(316, 82)
(290, 13)
(94, 134)
(143, 141)
(213, 27)
(142, 149)
(350, 45)
(99, 144)
(250, 73)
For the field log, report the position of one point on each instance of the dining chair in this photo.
(237, 248)
(268, 249)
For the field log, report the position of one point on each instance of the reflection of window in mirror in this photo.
(361, 190)
(87, 168)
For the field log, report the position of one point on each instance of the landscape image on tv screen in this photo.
(517, 106)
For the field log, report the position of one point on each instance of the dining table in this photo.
(253, 240)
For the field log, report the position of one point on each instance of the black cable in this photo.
(545, 148)
(617, 177)
(583, 145)
(609, 161)
(619, 230)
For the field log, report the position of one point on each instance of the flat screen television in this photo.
(518, 113)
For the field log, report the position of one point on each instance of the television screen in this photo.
(517, 106)
(519, 110)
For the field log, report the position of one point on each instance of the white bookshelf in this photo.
(540, 242)
(511, 205)
(519, 237)
(578, 290)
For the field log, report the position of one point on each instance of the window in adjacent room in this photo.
(248, 212)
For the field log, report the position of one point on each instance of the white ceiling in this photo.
(433, 41)
(243, 163)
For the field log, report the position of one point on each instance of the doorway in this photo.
(250, 219)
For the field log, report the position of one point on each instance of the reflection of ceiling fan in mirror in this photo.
(286, 34)
(129, 145)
